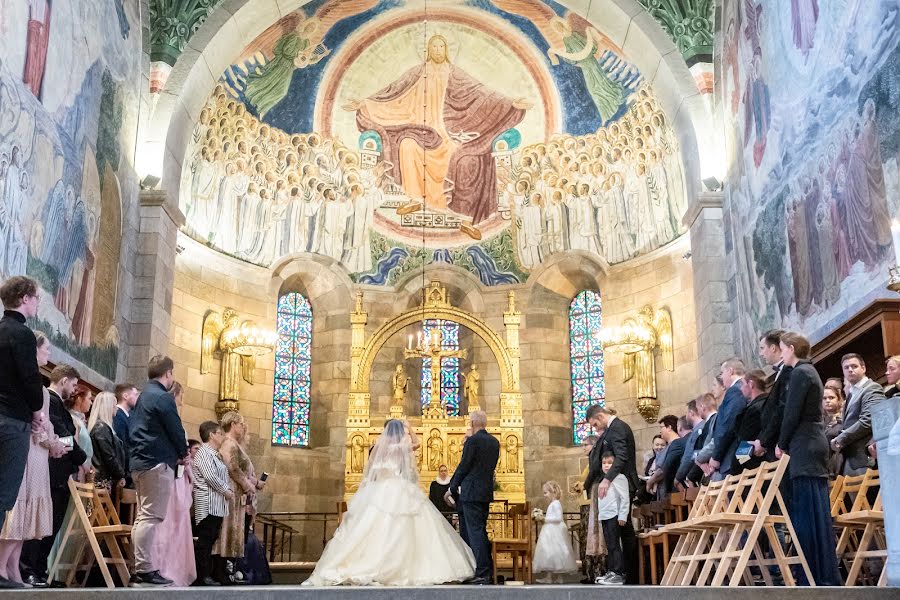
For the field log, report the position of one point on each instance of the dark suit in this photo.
(619, 439)
(857, 429)
(773, 412)
(725, 433)
(748, 429)
(472, 486)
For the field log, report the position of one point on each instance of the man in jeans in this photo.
(21, 389)
(158, 445)
(212, 492)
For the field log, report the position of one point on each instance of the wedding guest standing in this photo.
(212, 494)
(109, 452)
(79, 405)
(32, 516)
(174, 543)
(594, 545)
(803, 438)
(864, 394)
(158, 445)
(21, 389)
(833, 407)
(126, 399)
(244, 483)
(36, 553)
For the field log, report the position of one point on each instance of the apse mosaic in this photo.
(492, 136)
(810, 95)
(69, 92)
(586, 360)
(290, 404)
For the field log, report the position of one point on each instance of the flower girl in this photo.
(553, 554)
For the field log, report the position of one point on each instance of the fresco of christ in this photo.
(437, 124)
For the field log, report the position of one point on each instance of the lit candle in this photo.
(409, 342)
(895, 232)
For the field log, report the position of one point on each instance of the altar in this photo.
(441, 435)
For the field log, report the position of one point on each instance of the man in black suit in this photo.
(472, 488)
(773, 412)
(725, 434)
(856, 435)
(618, 439)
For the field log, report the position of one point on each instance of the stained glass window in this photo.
(290, 404)
(449, 366)
(586, 357)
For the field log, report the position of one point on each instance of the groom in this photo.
(472, 487)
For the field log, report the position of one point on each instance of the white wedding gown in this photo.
(391, 534)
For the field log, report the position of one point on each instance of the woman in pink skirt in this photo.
(32, 516)
(174, 546)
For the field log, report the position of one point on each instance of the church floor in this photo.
(541, 592)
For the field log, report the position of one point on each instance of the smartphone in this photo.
(264, 476)
(68, 441)
(179, 471)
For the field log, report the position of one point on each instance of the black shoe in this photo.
(35, 581)
(207, 582)
(7, 584)
(587, 581)
(58, 584)
(478, 581)
(152, 578)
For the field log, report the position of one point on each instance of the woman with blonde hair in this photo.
(892, 373)
(230, 545)
(109, 451)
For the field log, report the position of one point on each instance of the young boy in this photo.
(612, 512)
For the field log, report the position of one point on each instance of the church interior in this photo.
(332, 213)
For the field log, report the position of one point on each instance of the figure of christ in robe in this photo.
(437, 124)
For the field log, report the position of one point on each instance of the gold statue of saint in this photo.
(435, 450)
(473, 381)
(357, 454)
(400, 383)
(218, 339)
(641, 365)
(512, 454)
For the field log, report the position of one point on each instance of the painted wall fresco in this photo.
(810, 90)
(68, 91)
(491, 137)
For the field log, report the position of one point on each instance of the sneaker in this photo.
(150, 579)
(613, 579)
(601, 578)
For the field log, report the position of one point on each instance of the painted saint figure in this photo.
(437, 124)
(37, 42)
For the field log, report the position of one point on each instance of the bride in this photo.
(391, 533)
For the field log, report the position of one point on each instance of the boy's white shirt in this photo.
(616, 503)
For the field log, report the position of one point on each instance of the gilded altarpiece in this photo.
(441, 436)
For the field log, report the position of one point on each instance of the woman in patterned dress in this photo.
(32, 516)
(230, 545)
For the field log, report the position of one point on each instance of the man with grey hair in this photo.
(734, 403)
(472, 489)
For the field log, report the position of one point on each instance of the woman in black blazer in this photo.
(803, 438)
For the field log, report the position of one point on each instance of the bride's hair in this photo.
(392, 456)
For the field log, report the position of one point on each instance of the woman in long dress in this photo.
(391, 533)
(174, 545)
(32, 516)
(230, 545)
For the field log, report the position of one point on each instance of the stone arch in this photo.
(463, 288)
(509, 381)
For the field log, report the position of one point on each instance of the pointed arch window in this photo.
(449, 366)
(586, 359)
(290, 404)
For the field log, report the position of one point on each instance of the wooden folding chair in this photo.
(704, 502)
(862, 527)
(92, 525)
(518, 545)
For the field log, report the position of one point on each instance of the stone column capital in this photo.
(704, 201)
(160, 199)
